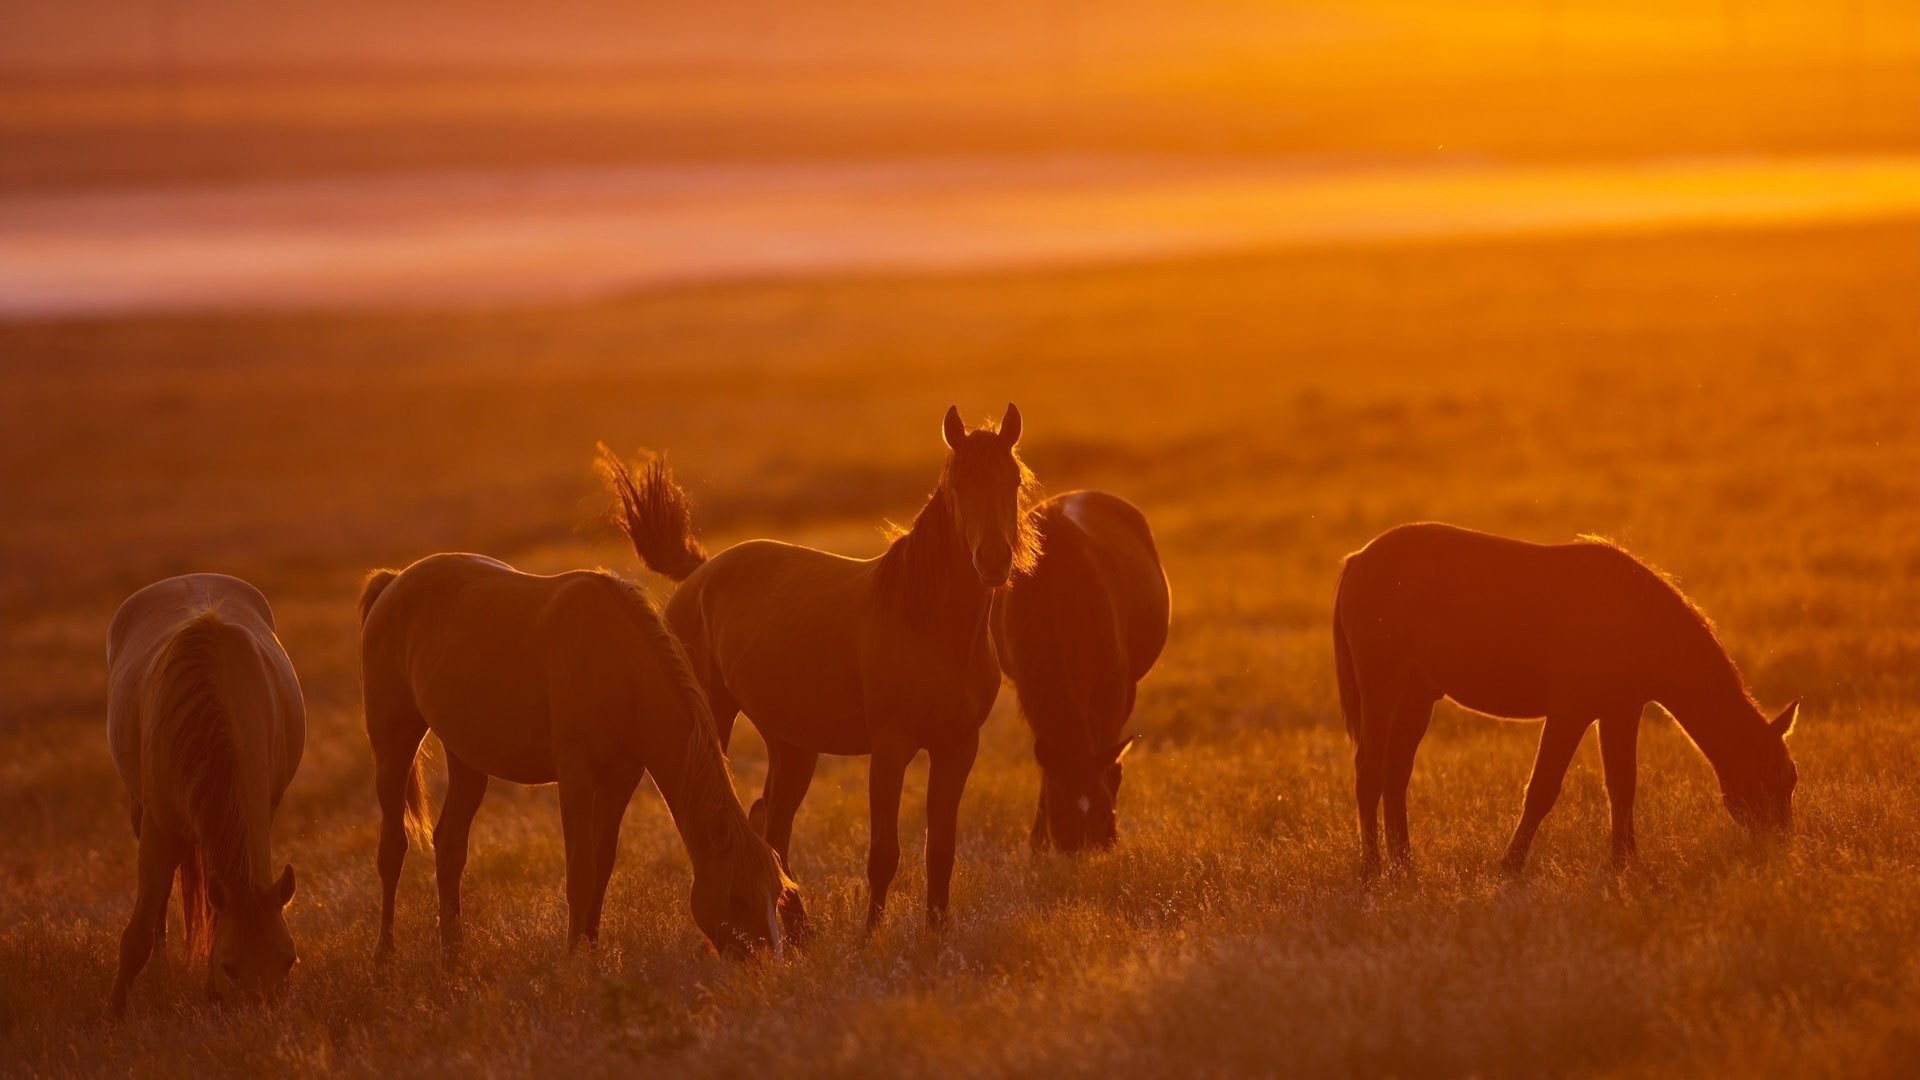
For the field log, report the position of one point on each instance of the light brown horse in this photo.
(206, 724)
(830, 655)
(570, 679)
(1076, 634)
(1571, 632)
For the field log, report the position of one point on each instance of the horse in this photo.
(569, 679)
(206, 725)
(826, 654)
(1575, 633)
(1076, 634)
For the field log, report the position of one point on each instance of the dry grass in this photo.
(1737, 408)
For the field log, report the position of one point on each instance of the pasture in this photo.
(1735, 407)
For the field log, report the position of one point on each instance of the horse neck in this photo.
(1704, 693)
(930, 577)
(231, 814)
(691, 774)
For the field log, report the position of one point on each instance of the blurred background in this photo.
(219, 153)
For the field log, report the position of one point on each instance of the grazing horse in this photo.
(206, 725)
(1076, 634)
(570, 679)
(830, 655)
(1571, 632)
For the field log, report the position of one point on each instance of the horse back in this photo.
(1502, 626)
(1089, 620)
(238, 654)
(1125, 563)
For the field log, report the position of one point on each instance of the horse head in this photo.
(984, 486)
(743, 900)
(1759, 793)
(1080, 798)
(252, 951)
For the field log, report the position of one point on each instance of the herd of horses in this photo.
(579, 680)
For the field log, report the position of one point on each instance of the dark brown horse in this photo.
(1076, 634)
(886, 656)
(1571, 632)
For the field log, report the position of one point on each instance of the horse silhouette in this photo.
(1571, 632)
(206, 724)
(569, 679)
(1076, 634)
(826, 654)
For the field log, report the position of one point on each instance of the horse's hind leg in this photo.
(395, 735)
(1370, 754)
(466, 787)
(159, 857)
(610, 801)
(789, 774)
(1559, 738)
(1409, 727)
(576, 826)
(1619, 744)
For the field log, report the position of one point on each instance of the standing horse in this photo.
(206, 725)
(830, 655)
(569, 679)
(1573, 632)
(1076, 634)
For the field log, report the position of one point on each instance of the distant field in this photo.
(1737, 408)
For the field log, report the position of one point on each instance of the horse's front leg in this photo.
(885, 773)
(1558, 741)
(159, 856)
(947, 769)
(1619, 746)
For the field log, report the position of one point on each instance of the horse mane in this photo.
(206, 755)
(916, 572)
(1703, 635)
(704, 778)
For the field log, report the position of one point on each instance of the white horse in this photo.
(206, 725)
(570, 679)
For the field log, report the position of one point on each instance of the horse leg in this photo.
(725, 711)
(886, 771)
(609, 808)
(1559, 738)
(1619, 746)
(466, 786)
(1039, 837)
(159, 857)
(947, 769)
(394, 746)
(576, 825)
(789, 775)
(1409, 727)
(1370, 748)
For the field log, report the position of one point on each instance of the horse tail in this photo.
(1343, 665)
(417, 817)
(182, 697)
(377, 583)
(655, 515)
(196, 907)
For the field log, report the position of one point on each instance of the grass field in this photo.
(1737, 408)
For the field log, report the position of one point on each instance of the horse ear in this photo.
(757, 818)
(1782, 725)
(1120, 752)
(285, 886)
(952, 428)
(1010, 425)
